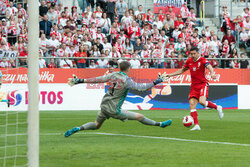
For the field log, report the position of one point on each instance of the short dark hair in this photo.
(124, 65)
(194, 49)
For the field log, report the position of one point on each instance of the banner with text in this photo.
(165, 4)
(58, 97)
(8, 54)
(233, 76)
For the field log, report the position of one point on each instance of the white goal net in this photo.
(13, 123)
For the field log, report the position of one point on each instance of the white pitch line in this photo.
(155, 137)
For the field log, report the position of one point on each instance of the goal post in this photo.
(33, 83)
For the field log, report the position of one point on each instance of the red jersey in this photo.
(197, 70)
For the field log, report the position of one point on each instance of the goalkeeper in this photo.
(112, 101)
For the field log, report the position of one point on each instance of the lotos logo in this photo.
(14, 97)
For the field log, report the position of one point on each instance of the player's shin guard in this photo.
(88, 126)
(147, 121)
(211, 105)
(194, 114)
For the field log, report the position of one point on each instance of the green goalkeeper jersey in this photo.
(120, 84)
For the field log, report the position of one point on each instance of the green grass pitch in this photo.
(92, 149)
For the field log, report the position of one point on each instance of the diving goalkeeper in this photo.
(112, 101)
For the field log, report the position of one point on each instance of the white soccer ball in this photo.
(188, 121)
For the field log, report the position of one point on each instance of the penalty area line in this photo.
(151, 137)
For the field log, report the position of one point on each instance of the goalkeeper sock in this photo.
(88, 126)
(147, 98)
(194, 114)
(147, 121)
(211, 105)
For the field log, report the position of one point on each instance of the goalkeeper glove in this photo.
(73, 81)
(161, 78)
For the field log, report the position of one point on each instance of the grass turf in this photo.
(88, 149)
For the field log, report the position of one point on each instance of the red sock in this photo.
(211, 105)
(194, 114)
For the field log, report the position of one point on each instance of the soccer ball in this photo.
(188, 121)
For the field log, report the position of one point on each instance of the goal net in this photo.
(13, 120)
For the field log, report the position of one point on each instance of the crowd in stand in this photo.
(112, 30)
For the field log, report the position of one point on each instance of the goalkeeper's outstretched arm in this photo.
(132, 85)
(101, 79)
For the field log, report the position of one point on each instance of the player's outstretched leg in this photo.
(210, 104)
(193, 103)
(144, 120)
(88, 126)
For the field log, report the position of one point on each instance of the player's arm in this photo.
(74, 81)
(211, 70)
(132, 85)
(178, 72)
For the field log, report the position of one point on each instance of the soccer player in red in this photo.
(199, 84)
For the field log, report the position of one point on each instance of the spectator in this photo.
(140, 11)
(234, 53)
(23, 57)
(102, 4)
(212, 59)
(52, 16)
(171, 13)
(243, 62)
(95, 52)
(158, 23)
(69, 26)
(92, 64)
(102, 63)
(180, 46)
(185, 12)
(179, 61)
(80, 63)
(138, 46)
(113, 63)
(246, 13)
(65, 62)
(145, 65)
(52, 64)
(45, 26)
(225, 54)
(135, 63)
(4, 63)
(111, 9)
(215, 46)
(105, 23)
(235, 63)
(128, 45)
(229, 37)
(42, 62)
(159, 55)
(246, 23)
(204, 47)
(169, 21)
(126, 21)
(98, 44)
(244, 37)
(121, 8)
(106, 45)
